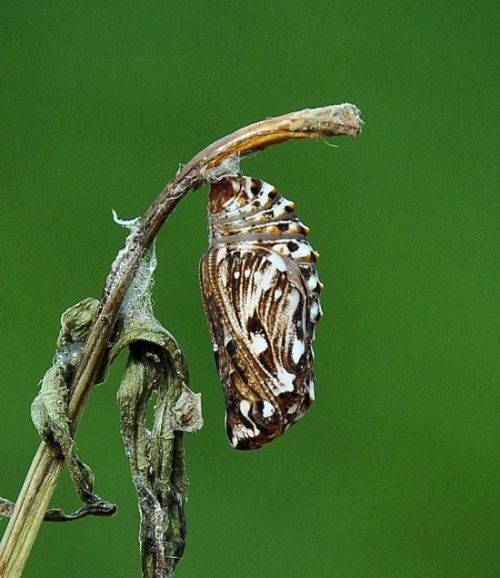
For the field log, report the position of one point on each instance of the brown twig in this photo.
(43, 475)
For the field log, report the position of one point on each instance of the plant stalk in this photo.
(43, 475)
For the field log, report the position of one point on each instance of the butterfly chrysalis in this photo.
(261, 295)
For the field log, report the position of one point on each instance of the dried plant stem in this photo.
(43, 475)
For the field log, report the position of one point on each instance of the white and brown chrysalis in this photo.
(261, 296)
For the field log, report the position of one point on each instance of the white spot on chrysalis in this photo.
(248, 433)
(286, 379)
(278, 262)
(298, 349)
(267, 279)
(304, 250)
(293, 300)
(312, 282)
(259, 344)
(268, 409)
(245, 407)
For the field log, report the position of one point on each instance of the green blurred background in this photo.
(394, 471)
